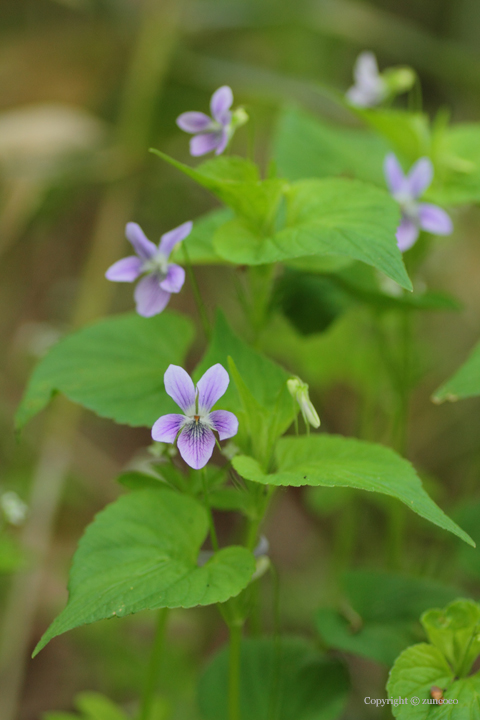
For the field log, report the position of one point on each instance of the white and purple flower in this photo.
(416, 216)
(161, 277)
(370, 87)
(213, 133)
(195, 427)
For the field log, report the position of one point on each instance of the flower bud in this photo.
(13, 508)
(399, 80)
(299, 391)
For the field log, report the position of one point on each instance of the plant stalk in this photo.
(154, 666)
(234, 664)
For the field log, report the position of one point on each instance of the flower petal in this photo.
(204, 143)
(365, 70)
(420, 176)
(171, 238)
(173, 283)
(144, 248)
(195, 444)
(125, 270)
(393, 174)
(360, 97)
(225, 136)
(211, 386)
(407, 234)
(179, 385)
(220, 104)
(435, 220)
(225, 423)
(167, 427)
(193, 122)
(150, 298)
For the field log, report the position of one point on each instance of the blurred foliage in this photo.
(62, 69)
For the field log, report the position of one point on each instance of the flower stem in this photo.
(202, 311)
(154, 665)
(234, 671)
(211, 524)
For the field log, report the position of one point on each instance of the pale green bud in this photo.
(299, 391)
(14, 509)
(239, 118)
(399, 80)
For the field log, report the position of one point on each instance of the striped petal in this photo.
(167, 427)
(211, 386)
(225, 423)
(196, 443)
(179, 385)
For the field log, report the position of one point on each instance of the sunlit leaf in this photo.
(140, 553)
(465, 382)
(333, 461)
(114, 367)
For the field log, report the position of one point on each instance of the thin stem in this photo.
(234, 663)
(196, 294)
(277, 646)
(211, 524)
(154, 665)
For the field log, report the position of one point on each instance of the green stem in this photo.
(197, 295)
(211, 524)
(154, 665)
(234, 660)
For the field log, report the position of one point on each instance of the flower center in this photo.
(157, 264)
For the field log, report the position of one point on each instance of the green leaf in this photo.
(264, 380)
(114, 367)
(92, 706)
(389, 597)
(199, 243)
(464, 383)
(457, 166)
(455, 632)
(135, 480)
(407, 132)
(381, 642)
(237, 183)
(384, 616)
(95, 706)
(415, 672)
(292, 681)
(325, 217)
(334, 461)
(140, 553)
(309, 147)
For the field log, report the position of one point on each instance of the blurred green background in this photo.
(86, 87)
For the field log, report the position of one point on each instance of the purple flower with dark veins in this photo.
(416, 216)
(161, 277)
(195, 427)
(213, 133)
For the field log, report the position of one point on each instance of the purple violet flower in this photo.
(212, 133)
(161, 277)
(370, 87)
(406, 189)
(196, 439)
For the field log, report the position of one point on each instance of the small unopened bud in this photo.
(399, 80)
(13, 508)
(239, 118)
(299, 391)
